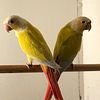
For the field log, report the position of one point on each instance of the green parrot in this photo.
(67, 45)
(34, 46)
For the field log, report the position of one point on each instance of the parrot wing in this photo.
(63, 35)
(41, 50)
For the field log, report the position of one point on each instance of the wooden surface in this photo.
(37, 68)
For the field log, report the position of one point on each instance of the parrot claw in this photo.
(29, 66)
(72, 65)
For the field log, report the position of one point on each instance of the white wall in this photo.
(48, 16)
(91, 50)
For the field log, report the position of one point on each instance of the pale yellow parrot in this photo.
(34, 46)
(67, 46)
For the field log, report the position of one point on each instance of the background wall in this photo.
(48, 16)
(91, 50)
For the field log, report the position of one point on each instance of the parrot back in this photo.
(67, 46)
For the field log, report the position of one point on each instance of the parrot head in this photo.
(15, 23)
(80, 24)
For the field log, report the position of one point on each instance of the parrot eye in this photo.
(83, 21)
(11, 21)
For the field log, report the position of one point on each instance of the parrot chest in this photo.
(26, 43)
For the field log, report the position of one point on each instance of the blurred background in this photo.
(49, 16)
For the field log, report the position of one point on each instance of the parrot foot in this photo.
(29, 66)
(72, 65)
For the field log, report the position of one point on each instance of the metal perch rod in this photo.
(37, 68)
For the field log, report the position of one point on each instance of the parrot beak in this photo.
(7, 27)
(89, 26)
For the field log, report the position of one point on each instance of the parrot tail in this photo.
(52, 64)
(49, 73)
(49, 91)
